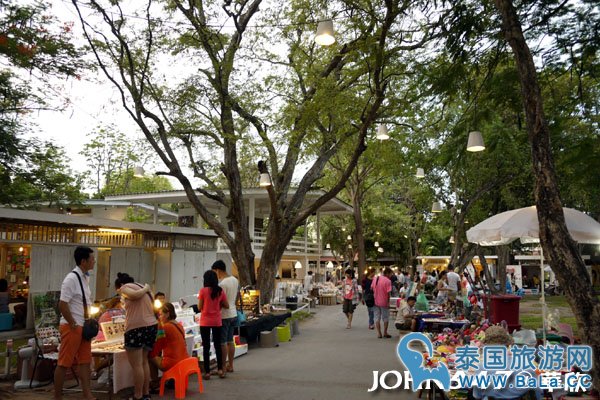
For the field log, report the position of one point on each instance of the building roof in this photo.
(107, 203)
(26, 216)
(261, 197)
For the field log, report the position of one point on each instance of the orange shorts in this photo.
(73, 349)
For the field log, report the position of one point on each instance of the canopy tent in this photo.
(523, 224)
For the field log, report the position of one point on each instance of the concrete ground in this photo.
(325, 361)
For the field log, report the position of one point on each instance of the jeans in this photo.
(216, 335)
(371, 316)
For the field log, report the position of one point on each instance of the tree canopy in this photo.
(33, 48)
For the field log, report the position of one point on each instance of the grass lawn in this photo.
(531, 311)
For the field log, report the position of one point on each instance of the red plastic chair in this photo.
(181, 372)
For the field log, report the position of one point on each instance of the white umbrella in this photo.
(523, 224)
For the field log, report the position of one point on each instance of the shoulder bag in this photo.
(90, 325)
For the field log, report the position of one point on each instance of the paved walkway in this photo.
(326, 361)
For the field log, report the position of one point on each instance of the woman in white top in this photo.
(442, 287)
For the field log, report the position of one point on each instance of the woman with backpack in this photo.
(368, 296)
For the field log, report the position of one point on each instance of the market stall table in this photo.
(251, 329)
(119, 370)
(327, 300)
(438, 324)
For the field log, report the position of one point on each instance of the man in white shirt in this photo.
(453, 283)
(308, 282)
(73, 348)
(230, 286)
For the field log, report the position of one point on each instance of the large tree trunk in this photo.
(278, 235)
(503, 253)
(489, 279)
(560, 249)
(359, 231)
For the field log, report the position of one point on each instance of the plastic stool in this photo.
(181, 372)
(268, 339)
(6, 321)
(284, 333)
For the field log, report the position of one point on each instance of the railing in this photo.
(296, 245)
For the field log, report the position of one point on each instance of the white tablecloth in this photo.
(122, 374)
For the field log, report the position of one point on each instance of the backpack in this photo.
(370, 298)
(370, 295)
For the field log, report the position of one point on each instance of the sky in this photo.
(93, 101)
(90, 102)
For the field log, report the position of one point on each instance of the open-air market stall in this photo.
(523, 224)
(36, 252)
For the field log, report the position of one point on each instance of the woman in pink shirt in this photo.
(350, 293)
(210, 301)
(140, 331)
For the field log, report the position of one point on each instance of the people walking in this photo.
(453, 280)
(382, 287)
(442, 288)
(73, 348)
(141, 327)
(350, 295)
(368, 297)
(229, 320)
(211, 300)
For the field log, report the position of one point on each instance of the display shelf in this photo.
(250, 301)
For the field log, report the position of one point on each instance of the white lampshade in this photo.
(349, 237)
(420, 173)
(436, 207)
(380, 249)
(138, 172)
(376, 244)
(349, 246)
(475, 142)
(265, 180)
(451, 239)
(328, 246)
(329, 265)
(382, 132)
(298, 265)
(324, 35)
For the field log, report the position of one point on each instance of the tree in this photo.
(47, 179)
(558, 245)
(299, 103)
(33, 48)
(112, 157)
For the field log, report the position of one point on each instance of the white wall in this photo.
(49, 266)
(136, 262)
(162, 282)
(187, 270)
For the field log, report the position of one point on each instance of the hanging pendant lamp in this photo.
(324, 36)
(382, 132)
(475, 142)
(265, 180)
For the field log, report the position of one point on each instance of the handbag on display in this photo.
(90, 325)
